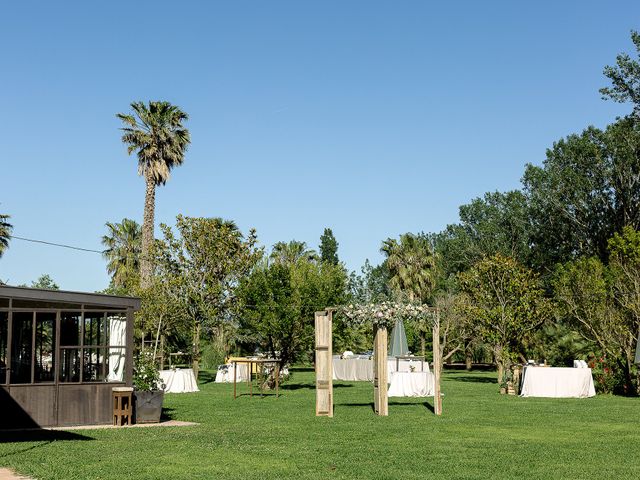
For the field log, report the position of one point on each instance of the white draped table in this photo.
(557, 382)
(411, 384)
(353, 369)
(361, 369)
(180, 380)
(225, 373)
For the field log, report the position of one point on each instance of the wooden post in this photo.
(235, 372)
(380, 374)
(324, 364)
(437, 366)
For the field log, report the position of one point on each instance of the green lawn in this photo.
(480, 435)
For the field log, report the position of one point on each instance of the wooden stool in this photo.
(122, 405)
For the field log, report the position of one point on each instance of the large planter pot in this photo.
(148, 406)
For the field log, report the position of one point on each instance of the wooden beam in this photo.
(380, 373)
(324, 363)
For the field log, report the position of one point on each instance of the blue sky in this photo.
(372, 118)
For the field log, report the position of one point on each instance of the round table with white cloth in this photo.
(180, 380)
(225, 373)
(411, 384)
(557, 382)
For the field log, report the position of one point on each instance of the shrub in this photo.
(146, 376)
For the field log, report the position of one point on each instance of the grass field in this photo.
(480, 435)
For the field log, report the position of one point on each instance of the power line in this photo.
(56, 244)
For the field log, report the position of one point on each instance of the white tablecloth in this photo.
(180, 380)
(557, 382)
(361, 370)
(225, 373)
(405, 365)
(411, 384)
(353, 369)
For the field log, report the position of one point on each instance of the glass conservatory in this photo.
(60, 355)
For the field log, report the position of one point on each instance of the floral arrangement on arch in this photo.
(385, 314)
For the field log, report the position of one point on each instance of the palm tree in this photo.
(155, 131)
(123, 244)
(411, 264)
(5, 232)
(292, 252)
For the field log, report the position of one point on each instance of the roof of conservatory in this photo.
(62, 296)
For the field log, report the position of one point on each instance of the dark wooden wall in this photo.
(28, 406)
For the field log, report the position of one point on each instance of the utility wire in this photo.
(57, 244)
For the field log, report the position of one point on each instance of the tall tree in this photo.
(507, 304)
(291, 252)
(411, 265)
(5, 232)
(372, 285)
(156, 132)
(44, 282)
(412, 271)
(625, 78)
(624, 251)
(205, 264)
(329, 247)
(280, 300)
(123, 243)
(587, 189)
(496, 223)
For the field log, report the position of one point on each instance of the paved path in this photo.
(6, 474)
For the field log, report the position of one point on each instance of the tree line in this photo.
(548, 271)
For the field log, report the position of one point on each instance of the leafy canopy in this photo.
(155, 130)
(123, 245)
(329, 247)
(625, 78)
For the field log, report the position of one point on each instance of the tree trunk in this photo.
(468, 357)
(437, 366)
(500, 372)
(195, 360)
(422, 343)
(146, 261)
(497, 354)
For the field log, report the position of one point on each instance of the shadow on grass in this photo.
(427, 405)
(371, 405)
(257, 395)
(39, 435)
(206, 377)
(301, 369)
(167, 414)
(367, 404)
(309, 386)
(472, 379)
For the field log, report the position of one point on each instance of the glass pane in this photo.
(95, 365)
(4, 331)
(117, 324)
(70, 365)
(4, 302)
(70, 328)
(117, 359)
(21, 347)
(95, 329)
(45, 347)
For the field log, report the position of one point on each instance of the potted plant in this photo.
(148, 390)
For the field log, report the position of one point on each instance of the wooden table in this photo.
(259, 362)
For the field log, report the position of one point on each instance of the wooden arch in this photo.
(324, 365)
